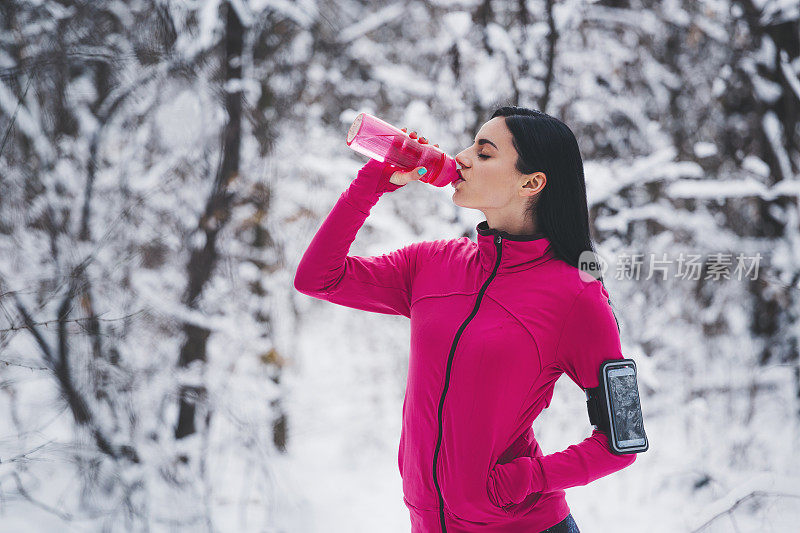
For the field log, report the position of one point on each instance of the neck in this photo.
(512, 226)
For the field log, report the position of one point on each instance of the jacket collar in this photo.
(519, 252)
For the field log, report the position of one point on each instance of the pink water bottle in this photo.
(380, 140)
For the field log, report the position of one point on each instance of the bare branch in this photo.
(25, 455)
(81, 319)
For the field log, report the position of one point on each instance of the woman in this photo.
(494, 323)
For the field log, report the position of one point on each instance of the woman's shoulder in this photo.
(439, 246)
(588, 299)
(574, 282)
(443, 252)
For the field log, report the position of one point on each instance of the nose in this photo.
(460, 161)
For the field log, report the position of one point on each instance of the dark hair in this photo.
(561, 212)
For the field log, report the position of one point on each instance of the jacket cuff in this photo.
(538, 479)
(384, 184)
(370, 183)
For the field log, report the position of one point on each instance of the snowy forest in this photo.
(164, 164)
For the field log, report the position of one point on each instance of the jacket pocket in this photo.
(524, 506)
(521, 447)
(417, 508)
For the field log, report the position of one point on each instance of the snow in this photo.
(371, 22)
(773, 130)
(705, 149)
(790, 74)
(458, 23)
(717, 373)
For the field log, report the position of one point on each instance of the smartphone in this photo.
(614, 407)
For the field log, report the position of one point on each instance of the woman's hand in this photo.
(509, 483)
(400, 176)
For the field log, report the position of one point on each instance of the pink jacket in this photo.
(493, 326)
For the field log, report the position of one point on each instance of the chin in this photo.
(458, 203)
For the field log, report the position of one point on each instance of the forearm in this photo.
(579, 464)
(324, 260)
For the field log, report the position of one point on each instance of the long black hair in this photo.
(561, 212)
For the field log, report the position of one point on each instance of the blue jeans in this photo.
(567, 525)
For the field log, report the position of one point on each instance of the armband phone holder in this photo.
(614, 407)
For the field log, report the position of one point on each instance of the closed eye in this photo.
(483, 156)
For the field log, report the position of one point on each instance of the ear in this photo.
(533, 184)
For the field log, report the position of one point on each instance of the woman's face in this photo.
(492, 182)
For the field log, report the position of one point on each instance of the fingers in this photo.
(401, 177)
(414, 173)
(413, 135)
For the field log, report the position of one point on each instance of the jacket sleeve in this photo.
(380, 284)
(589, 337)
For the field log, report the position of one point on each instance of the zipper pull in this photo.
(498, 239)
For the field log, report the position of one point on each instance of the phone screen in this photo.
(625, 409)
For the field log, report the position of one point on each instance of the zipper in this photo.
(498, 241)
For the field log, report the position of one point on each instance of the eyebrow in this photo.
(481, 142)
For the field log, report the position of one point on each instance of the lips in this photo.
(460, 178)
